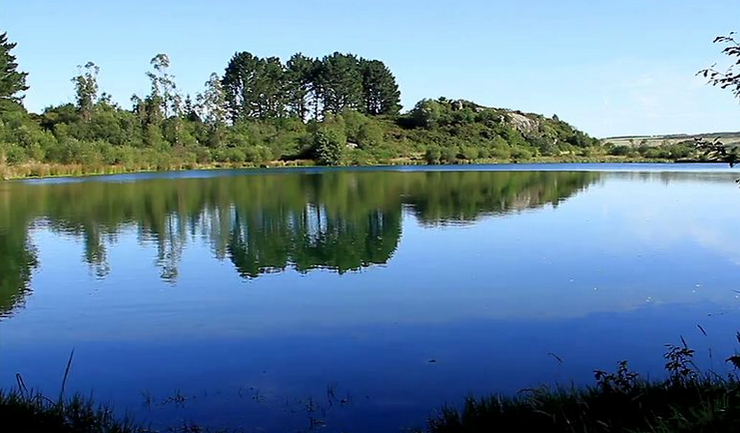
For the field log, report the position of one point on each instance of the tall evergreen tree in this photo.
(380, 91)
(316, 94)
(300, 84)
(341, 82)
(239, 82)
(12, 82)
(270, 91)
(254, 87)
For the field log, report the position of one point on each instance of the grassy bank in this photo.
(33, 170)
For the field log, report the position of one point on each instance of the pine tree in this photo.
(12, 82)
(239, 83)
(380, 91)
(341, 83)
(270, 91)
(300, 84)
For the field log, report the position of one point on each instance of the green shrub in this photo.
(370, 135)
(620, 150)
(13, 153)
(433, 155)
(449, 155)
(328, 145)
(469, 152)
(520, 153)
(501, 152)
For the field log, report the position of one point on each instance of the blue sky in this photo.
(608, 67)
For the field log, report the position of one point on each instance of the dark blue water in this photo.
(360, 300)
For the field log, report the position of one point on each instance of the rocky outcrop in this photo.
(522, 123)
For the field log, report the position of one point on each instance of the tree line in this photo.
(334, 110)
(306, 87)
(263, 88)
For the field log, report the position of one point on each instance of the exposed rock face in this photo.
(522, 123)
(517, 119)
(536, 129)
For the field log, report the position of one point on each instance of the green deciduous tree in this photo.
(726, 79)
(370, 135)
(329, 142)
(212, 110)
(426, 113)
(86, 89)
(730, 77)
(163, 86)
(211, 104)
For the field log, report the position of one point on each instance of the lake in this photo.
(360, 300)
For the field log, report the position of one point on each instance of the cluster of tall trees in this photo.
(259, 88)
(255, 88)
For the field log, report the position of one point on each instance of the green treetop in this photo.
(12, 82)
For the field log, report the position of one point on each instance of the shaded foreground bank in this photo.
(619, 403)
(688, 400)
(27, 411)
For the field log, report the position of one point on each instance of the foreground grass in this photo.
(697, 405)
(23, 411)
(688, 400)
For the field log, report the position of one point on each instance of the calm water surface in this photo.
(361, 298)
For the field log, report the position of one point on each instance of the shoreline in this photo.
(29, 171)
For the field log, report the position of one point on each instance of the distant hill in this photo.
(729, 138)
